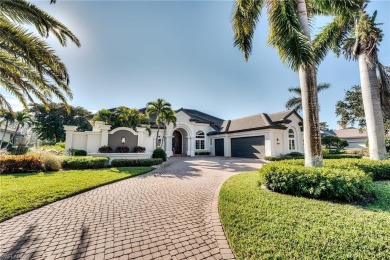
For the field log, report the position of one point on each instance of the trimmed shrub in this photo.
(325, 156)
(323, 183)
(85, 162)
(139, 149)
(342, 156)
(160, 153)
(358, 151)
(105, 149)
(202, 153)
(379, 170)
(135, 162)
(20, 164)
(78, 152)
(122, 149)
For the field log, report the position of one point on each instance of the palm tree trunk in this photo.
(308, 82)
(158, 130)
(5, 131)
(16, 131)
(372, 109)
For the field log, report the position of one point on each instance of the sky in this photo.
(137, 51)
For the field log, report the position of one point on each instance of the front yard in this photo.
(261, 224)
(22, 192)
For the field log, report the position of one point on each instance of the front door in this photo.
(177, 142)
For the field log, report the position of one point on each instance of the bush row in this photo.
(323, 183)
(84, 162)
(47, 162)
(135, 162)
(325, 156)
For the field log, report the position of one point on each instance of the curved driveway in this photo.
(170, 213)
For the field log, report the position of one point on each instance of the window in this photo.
(291, 139)
(199, 140)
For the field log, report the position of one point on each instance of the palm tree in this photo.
(129, 117)
(21, 119)
(103, 115)
(168, 118)
(296, 101)
(358, 36)
(8, 118)
(158, 109)
(29, 68)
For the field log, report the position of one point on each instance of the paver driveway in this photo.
(170, 213)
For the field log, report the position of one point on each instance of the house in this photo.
(254, 136)
(355, 137)
(8, 134)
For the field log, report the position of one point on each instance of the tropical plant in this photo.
(22, 118)
(29, 68)
(351, 110)
(7, 118)
(49, 124)
(289, 27)
(128, 117)
(168, 118)
(103, 115)
(331, 141)
(159, 109)
(358, 36)
(296, 101)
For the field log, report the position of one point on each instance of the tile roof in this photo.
(353, 133)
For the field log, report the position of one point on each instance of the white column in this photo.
(168, 145)
(190, 147)
(269, 141)
(227, 146)
(104, 129)
(141, 132)
(69, 131)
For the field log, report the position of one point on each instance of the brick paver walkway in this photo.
(170, 213)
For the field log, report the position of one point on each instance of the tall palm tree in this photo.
(158, 109)
(296, 101)
(21, 119)
(358, 36)
(29, 68)
(8, 118)
(168, 118)
(129, 117)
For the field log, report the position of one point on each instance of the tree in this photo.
(289, 27)
(324, 125)
(22, 118)
(168, 118)
(358, 36)
(49, 124)
(331, 141)
(128, 117)
(7, 118)
(296, 101)
(29, 68)
(351, 110)
(103, 115)
(158, 109)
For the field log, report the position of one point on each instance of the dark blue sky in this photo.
(136, 51)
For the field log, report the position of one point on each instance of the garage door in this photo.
(219, 147)
(248, 147)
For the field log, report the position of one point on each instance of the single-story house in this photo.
(354, 136)
(8, 134)
(254, 136)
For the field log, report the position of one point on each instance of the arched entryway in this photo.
(180, 142)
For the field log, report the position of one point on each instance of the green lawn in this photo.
(20, 193)
(261, 224)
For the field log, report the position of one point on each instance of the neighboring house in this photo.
(354, 137)
(8, 134)
(254, 136)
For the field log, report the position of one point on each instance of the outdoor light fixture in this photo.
(277, 141)
(123, 140)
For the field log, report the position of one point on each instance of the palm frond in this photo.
(245, 16)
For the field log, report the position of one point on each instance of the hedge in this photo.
(325, 156)
(159, 153)
(135, 162)
(20, 164)
(84, 162)
(322, 183)
(77, 152)
(379, 170)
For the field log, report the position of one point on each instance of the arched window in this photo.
(291, 139)
(199, 140)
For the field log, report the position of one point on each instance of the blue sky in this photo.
(136, 51)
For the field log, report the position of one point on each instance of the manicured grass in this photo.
(22, 192)
(261, 224)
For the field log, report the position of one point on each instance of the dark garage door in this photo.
(219, 147)
(248, 147)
